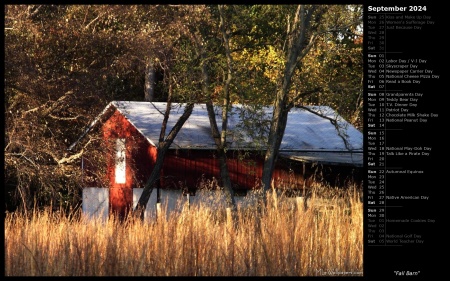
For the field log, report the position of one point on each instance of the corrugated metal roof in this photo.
(305, 131)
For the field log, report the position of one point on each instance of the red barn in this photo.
(131, 131)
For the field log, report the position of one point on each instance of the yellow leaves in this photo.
(217, 90)
(267, 62)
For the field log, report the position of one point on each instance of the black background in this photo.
(425, 259)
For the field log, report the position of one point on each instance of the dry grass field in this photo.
(325, 239)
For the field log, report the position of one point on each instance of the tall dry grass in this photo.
(284, 239)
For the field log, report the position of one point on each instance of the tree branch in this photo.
(94, 20)
(70, 159)
(64, 118)
(296, 98)
(332, 121)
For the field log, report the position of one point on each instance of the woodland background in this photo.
(65, 63)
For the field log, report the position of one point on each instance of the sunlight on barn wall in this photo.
(120, 161)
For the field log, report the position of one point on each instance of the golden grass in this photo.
(283, 240)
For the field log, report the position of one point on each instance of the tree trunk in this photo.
(149, 86)
(297, 48)
(219, 137)
(225, 176)
(276, 132)
(163, 146)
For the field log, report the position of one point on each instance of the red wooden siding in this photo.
(185, 168)
(140, 159)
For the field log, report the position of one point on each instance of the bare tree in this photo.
(220, 137)
(301, 36)
(163, 146)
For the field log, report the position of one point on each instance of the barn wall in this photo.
(140, 159)
(194, 168)
(186, 168)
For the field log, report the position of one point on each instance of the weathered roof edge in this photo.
(125, 116)
(98, 119)
(92, 125)
(343, 158)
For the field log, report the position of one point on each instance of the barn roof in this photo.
(350, 158)
(305, 131)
